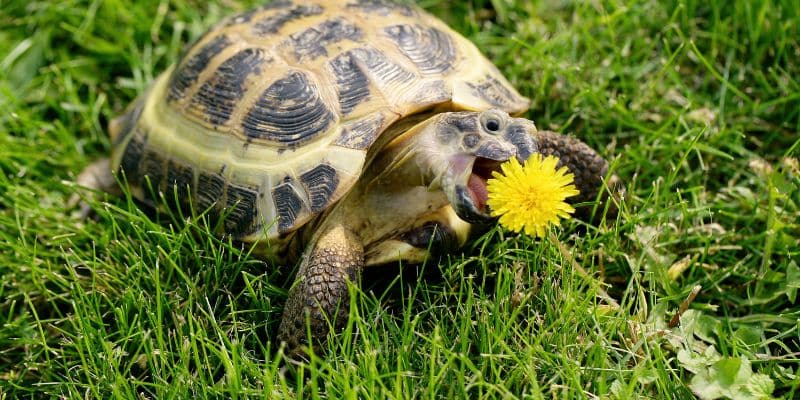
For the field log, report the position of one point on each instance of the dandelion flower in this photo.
(531, 197)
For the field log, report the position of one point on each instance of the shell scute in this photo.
(210, 188)
(132, 156)
(271, 24)
(362, 133)
(186, 75)
(429, 48)
(289, 112)
(151, 172)
(125, 125)
(352, 85)
(320, 183)
(288, 205)
(382, 68)
(241, 212)
(313, 42)
(179, 180)
(496, 93)
(219, 96)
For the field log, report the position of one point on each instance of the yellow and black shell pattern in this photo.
(269, 117)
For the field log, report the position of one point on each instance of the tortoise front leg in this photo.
(319, 295)
(589, 168)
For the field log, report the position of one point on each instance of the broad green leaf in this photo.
(697, 362)
(732, 378)
(707, 328)
(760, 386)
(750, 335)
(728, 370)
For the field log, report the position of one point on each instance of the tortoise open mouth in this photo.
(481, 171)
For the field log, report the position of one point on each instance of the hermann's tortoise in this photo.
(343, 133)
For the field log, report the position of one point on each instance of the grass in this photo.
(697, 103)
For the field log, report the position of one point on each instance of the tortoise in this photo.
(335, 134)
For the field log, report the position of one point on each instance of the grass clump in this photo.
(698, 103)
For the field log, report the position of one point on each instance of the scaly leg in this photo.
(319, 296)
(589, 168)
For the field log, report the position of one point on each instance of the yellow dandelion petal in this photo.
(532, 196)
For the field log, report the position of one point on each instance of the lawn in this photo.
(696, 102)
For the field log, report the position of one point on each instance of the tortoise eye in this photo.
(492, 125)
(492, 121)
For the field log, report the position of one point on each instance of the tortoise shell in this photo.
(271, 116)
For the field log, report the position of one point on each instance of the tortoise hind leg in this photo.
(319, 296)
(98, 177)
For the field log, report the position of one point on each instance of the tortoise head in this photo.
(457, 152)
(475, 144)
